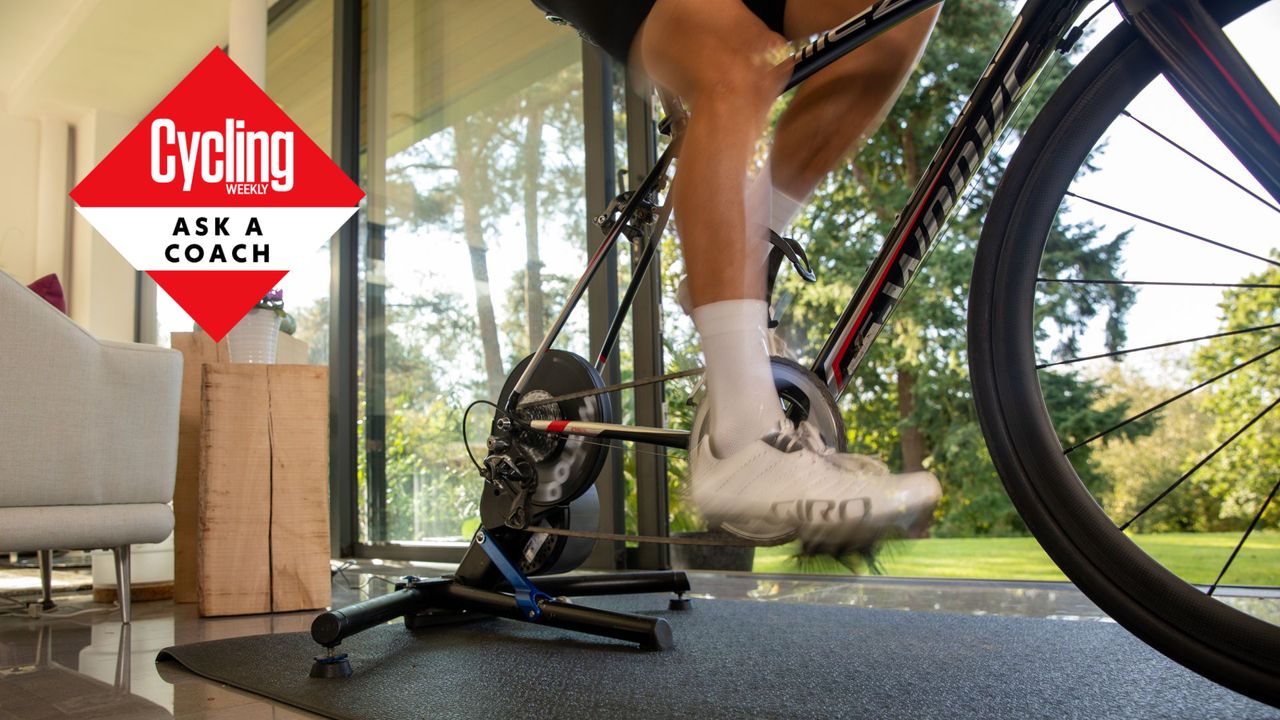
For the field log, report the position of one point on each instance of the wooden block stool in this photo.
(262, 543)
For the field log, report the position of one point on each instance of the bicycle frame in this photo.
(1199, 56)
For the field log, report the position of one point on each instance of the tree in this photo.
(549, 112)
(1244, 473)
(554, 289)
(430, 483)
(1139, 468)
(313, 329)
(441, 350)
(532, 159)
(472, 151)
(466, 179)
(456, 185)
(911, 400)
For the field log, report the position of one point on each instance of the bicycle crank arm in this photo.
(609, 431)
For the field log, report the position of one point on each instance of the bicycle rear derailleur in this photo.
(508, 470)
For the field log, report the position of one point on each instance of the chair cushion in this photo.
(83, 527)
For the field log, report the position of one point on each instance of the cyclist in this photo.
(754, 469)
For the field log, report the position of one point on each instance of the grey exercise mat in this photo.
(734, 659)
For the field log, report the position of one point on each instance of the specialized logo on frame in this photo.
(216, 194)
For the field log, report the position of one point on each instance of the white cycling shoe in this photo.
(788, 480)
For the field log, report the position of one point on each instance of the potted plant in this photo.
(254, 338)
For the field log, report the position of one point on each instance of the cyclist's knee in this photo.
(734, 63)
(889, 58)
(746, 81)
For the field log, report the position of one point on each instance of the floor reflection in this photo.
(46, 688)
(92, 666)
(1043, 600)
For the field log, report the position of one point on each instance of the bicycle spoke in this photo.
(1165, 402)
(1169, 227)
(1172, 343)
(1168, 283)
(1200, 464)
(1252, 525)
(1202, 161)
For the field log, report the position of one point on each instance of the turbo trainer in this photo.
(545, 452)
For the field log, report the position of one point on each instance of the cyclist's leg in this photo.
(754, 470)
(717, 56)
(839, 107)
(720, 58)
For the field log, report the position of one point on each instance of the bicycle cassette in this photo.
(566, 466)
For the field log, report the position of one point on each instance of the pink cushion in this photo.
(50, 289)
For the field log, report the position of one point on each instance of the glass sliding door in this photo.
(300, 80)
(473, 118)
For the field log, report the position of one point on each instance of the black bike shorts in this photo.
(613, 24)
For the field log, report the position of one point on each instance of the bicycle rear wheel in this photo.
(1014, 382)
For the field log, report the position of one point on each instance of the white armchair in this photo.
(88, 437)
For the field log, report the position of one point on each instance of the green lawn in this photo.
(1197, 557)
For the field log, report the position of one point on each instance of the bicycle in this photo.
(540, 506)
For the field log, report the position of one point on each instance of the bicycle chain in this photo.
(611, 388)
(722, 541)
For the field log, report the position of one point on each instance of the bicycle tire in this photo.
(1219, 642)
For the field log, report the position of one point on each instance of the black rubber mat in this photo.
(734, 659)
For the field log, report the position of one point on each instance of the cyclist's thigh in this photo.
(804, 18)
(693, 46)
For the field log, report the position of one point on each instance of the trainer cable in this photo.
(465, 443)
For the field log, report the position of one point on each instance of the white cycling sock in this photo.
(744, 404)
(770, 206)
(783, 211)
(759, 216)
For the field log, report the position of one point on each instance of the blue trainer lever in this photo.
(527, 596)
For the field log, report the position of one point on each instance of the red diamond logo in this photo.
(216, 194)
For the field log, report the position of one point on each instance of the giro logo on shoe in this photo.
(830, 511)
(216, 194)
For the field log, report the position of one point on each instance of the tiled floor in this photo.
(88, 665)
